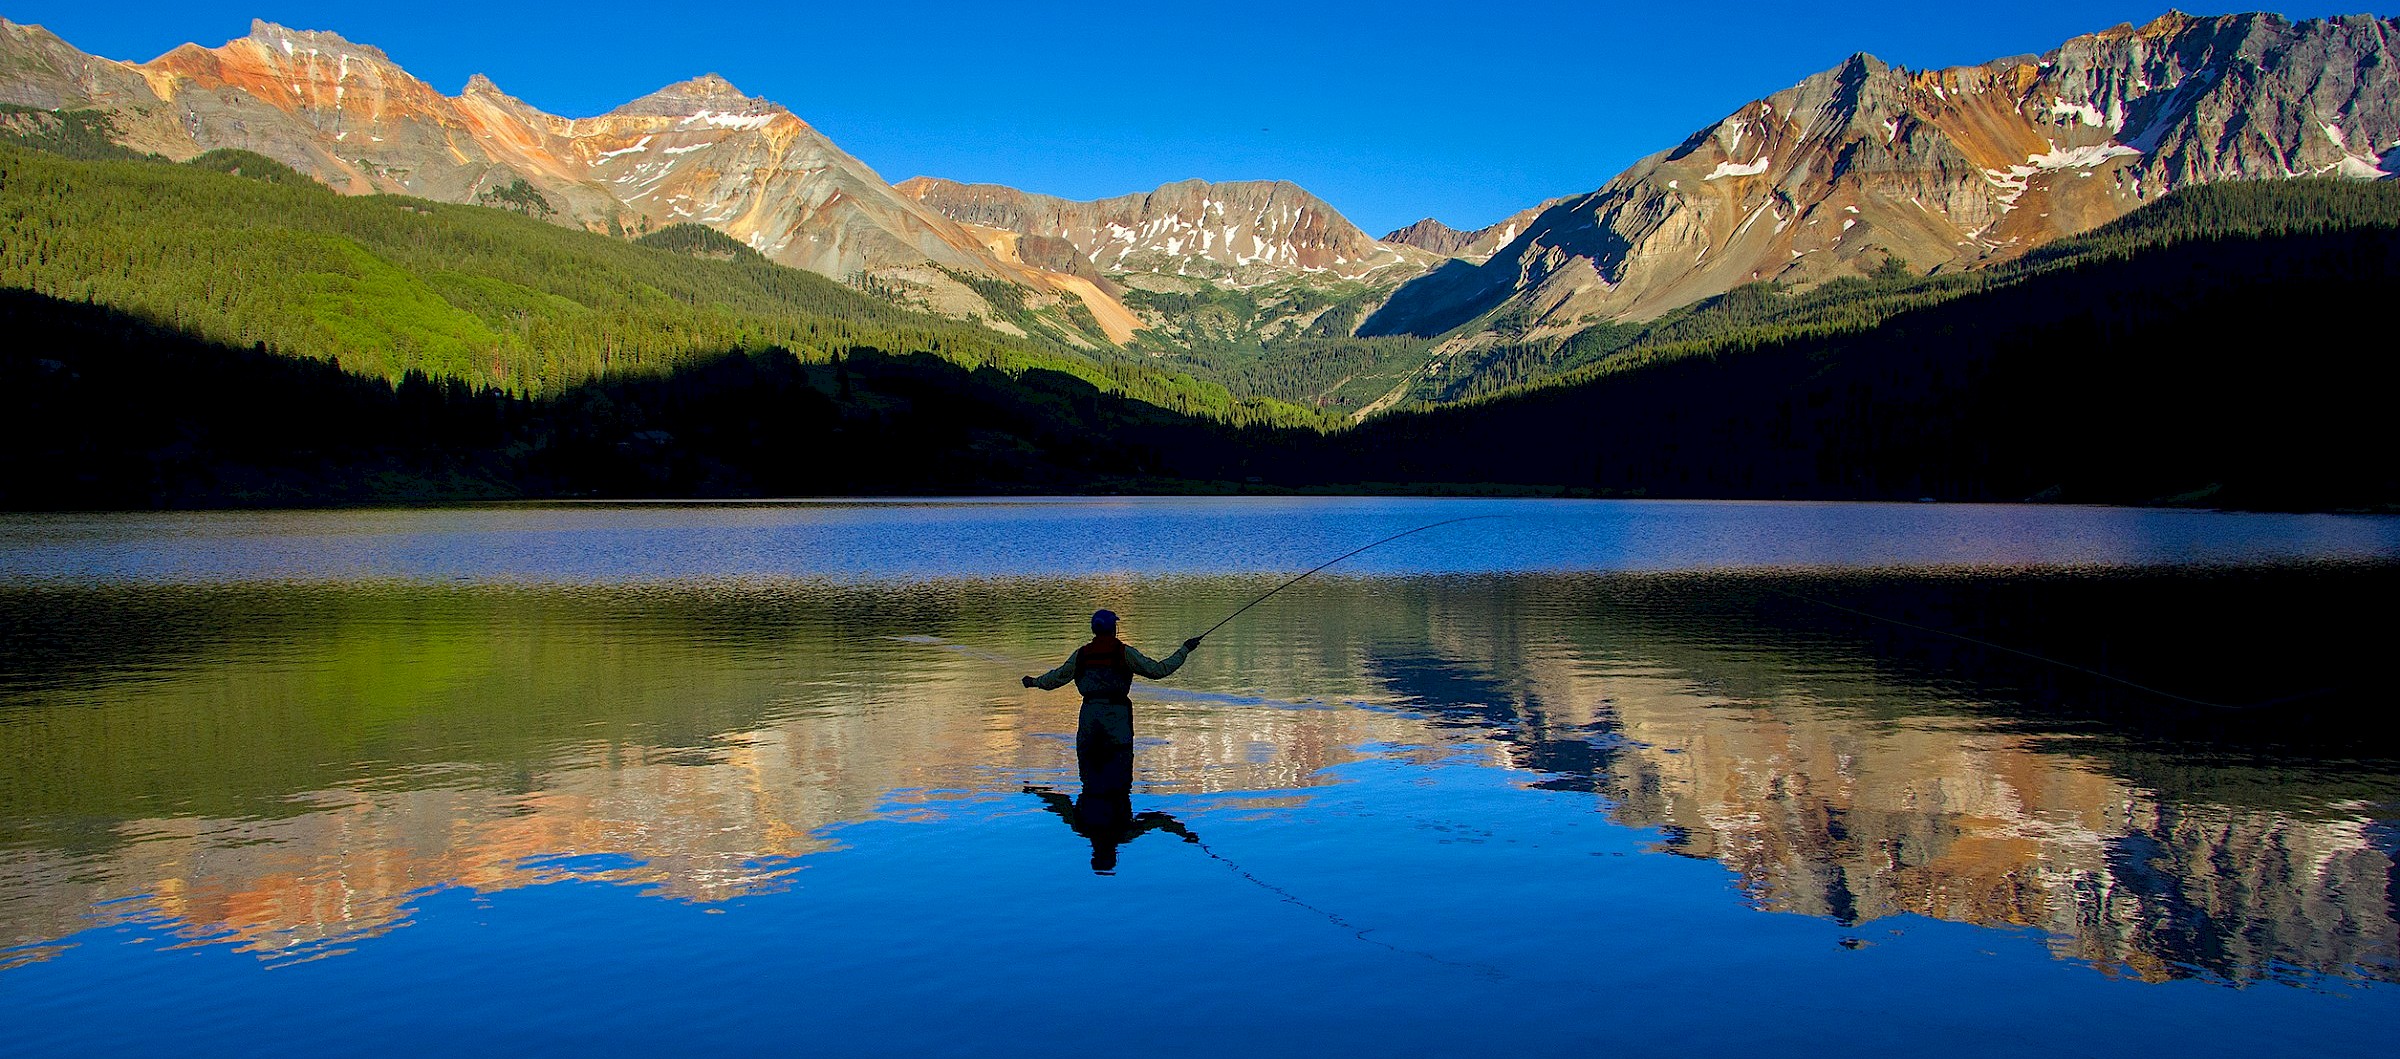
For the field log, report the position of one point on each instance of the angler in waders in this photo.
(1103, 670)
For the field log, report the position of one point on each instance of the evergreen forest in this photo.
(240, 254)
(225, 332)
(2219, 347)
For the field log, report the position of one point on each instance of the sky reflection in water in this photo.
(915, 540)
(250, 807)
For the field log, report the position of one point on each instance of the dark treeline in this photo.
(2220, 346)
(2237, 372)
(100, 409)
(2190, 667)
(2244, 371)
(103, 410)
(1750, 313)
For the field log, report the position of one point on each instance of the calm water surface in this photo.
(1618, 777)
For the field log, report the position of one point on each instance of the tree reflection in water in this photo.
(284, 768)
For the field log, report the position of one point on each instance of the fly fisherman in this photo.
(1103, 670)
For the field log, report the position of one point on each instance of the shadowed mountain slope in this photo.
(1943, 170)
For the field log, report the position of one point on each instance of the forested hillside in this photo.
(2221, 346)
(383, 285)
(1286, 341)
(99, 409)
(1761, 312)
(205, 334)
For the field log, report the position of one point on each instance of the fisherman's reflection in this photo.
(1103, 671)
(1103, 813)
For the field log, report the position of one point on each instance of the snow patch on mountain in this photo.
(638, 148)
(1730, 169)
(719, 120)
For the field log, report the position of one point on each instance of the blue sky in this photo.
(1465, 111)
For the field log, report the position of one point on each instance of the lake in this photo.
(1646, 777)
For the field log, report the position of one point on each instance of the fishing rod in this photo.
(1329, 562)
(1355, 930)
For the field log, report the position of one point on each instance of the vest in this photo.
(1101, 672)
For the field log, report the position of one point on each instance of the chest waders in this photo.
(1104, 731)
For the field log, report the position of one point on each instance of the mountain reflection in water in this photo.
(287, 769)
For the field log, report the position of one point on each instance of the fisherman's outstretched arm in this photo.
(1055, 802)
(1056, 678)
(1157, 668)
(1148, 822)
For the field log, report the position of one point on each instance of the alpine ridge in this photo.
(700, 151)
(1432, 235)
(1288, 252)
(1238, 230)
(1940, 170)
(1864, 167)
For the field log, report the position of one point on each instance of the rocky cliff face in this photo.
(701, 151)
(1288, 258)
(1239, 230)
(1436, 237)
(1943, 169)
(1863, 163)
(1430, 235)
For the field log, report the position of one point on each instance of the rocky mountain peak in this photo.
(1431, 235)
(295, 42)
(1951, 168)
(28, 31)
(480, 91)
(701, 151)
(705, 93)
(1187, 228)
(1860, 66)
(1435, 237)
(2166, 25)
(329, 83)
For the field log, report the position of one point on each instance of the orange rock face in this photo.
(1243, 230)
(699, 152)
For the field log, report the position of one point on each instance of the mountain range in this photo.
(1864, 167)
(699, 151)
(1942, 169)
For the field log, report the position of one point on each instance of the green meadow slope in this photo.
(385, 286)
